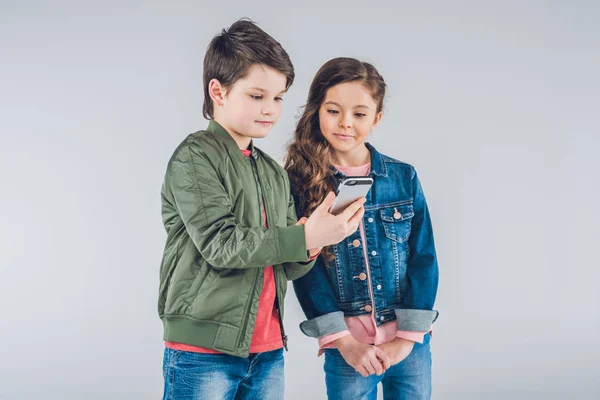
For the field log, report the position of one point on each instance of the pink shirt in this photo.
(364, 328)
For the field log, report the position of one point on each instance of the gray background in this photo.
(492, 101)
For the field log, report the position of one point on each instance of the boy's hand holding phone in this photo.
(324, 229)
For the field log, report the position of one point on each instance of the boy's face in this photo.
(252, 105)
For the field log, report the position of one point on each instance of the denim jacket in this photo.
(401, 253)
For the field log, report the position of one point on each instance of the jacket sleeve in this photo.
(294, 270)
(319, 303)
(417, 312)
(205, 208)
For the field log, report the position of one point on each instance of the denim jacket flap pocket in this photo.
(396, 221)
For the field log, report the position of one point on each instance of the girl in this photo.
(369, 298)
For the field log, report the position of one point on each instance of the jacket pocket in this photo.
(397, 221)
(202, 276)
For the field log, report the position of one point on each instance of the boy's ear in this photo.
(217, 92)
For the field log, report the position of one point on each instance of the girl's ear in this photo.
(377, 119)
(217, 92)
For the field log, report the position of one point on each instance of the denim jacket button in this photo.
(370, 219)
(356, 243)
(362, 276)
(368, 308)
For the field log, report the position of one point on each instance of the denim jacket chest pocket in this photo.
(393, 249)
(396, 221)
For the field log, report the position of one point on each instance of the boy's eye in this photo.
(333, 111)
(278, 98)
(256, 97)
(360, 115)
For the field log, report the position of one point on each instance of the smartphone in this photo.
(350, 189)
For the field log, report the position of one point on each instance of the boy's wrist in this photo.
(314, 253)
(307, 239)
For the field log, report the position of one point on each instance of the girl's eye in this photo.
(256, 97)
(360, 115)
(278, 98)
(333, 111)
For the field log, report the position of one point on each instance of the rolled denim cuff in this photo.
(324, 325)
(415, 320)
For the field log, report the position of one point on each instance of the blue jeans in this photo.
(410, 379)
(219, 376)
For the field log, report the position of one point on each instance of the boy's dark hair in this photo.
(235, 50)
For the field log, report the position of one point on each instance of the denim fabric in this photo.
(408, 380)
(401, 253)
(196, 376)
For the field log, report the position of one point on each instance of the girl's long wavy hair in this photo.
(308, 159)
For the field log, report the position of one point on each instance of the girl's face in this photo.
(347, 116)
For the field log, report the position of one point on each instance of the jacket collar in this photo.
(216, 128)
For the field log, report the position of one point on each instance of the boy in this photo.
(233, 239)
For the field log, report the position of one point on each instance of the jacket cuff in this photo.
(292, 244)
(415, 320)
(324, 325)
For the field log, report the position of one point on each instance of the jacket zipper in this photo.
(247, 313)
(261, 199)
(257, 274)
(284, 337)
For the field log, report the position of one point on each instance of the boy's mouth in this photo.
(265, 123)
